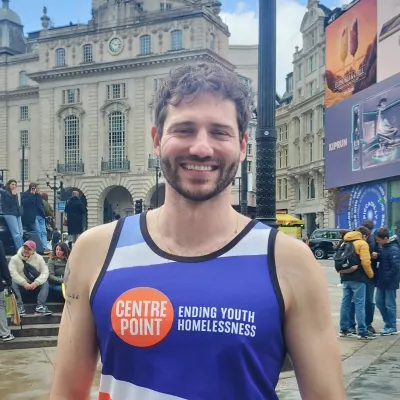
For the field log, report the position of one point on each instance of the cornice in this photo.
(20, 93)
(138, 63)
(18, 59)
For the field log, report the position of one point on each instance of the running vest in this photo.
(194, 328)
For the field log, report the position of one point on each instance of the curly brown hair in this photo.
(201, 78)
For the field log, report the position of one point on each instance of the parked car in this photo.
(324, 242)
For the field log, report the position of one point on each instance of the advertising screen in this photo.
(351, 52)
(362, 136)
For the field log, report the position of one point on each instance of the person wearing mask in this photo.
(5, 281)
(57, 263)
(388, 277)
(354, 283)
(29, 271)
(75, 211)
(12, 212)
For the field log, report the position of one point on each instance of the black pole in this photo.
(243, 197)
(156, 187)
(266, 132)
(54, 197)
(23, 168)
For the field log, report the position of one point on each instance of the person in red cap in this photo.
(29, 272)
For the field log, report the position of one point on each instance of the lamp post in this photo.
(154, 163)
(239, 178)
(266, 132)
(54, 188)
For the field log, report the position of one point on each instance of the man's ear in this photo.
(156, 141)
(243, 147)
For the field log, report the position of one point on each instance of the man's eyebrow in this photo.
(180, 125)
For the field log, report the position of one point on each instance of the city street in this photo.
(371, 369)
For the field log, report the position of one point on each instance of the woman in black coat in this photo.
(12, 212)
(5, 281)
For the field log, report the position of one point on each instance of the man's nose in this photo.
(202, 144)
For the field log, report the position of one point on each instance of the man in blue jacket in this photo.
(388, 278)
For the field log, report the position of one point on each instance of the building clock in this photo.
(115, 46)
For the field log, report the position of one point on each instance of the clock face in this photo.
(115, 45)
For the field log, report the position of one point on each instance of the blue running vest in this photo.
(194, 328)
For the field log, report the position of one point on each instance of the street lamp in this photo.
(266, 132)
(154, 163)
(54, 188)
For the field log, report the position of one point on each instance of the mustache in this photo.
(185, 160)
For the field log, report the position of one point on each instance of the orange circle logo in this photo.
(142, 317)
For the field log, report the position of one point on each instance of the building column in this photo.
(94, 211)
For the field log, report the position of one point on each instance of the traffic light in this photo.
(138, 206)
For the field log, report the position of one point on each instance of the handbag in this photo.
(11, 306)
(30, 272)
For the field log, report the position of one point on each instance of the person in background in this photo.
(49, 216)
(12, 212)
(388, 277)
(5, 281)
(55, 238)
(27, 259)
(57, 263)
(40, 222)
(75, 211)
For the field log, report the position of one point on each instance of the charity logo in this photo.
(142, 317)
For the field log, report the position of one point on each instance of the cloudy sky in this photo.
(241, 16)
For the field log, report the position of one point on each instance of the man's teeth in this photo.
(198, 167)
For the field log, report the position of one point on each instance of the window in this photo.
(145, 45)
(311, 64)
(280, 134)
(23, 113)
(311, 121)
(285, 189)
(310, 152)
(299, 92)
(313, 37)
(116, 91)
(60, 57)
(24, 169)
(249, 166)
(165, 6)
(298, 156)
(71, 96)
(279, 189)
(286, 137)
(87, 53)
(290, 84)
(300, 72)
(249, 149)
(176, 40)
(322, 147)
(23, 79)
(312, 88)
(299, 192)
(71, 141)
(311, 189)
(24, 138)
(286, 153)
(323, 56)
(279, 159)
(116, 139)
(212, 41)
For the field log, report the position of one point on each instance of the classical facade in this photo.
(77, 99)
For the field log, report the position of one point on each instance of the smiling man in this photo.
(193, 300)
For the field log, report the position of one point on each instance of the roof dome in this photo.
(9, 15)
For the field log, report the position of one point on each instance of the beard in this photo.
(226, 174)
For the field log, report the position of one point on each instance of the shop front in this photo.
(393, 205)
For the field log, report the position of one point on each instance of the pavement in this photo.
(371, 370)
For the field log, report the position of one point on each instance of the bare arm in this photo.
(77, 351)
(309, 331)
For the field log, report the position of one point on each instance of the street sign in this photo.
(61, 206)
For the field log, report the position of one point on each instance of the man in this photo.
(5, 281)
(195, 300)
(29, 272)
(75, 211)
(354, 286)
(388, 277)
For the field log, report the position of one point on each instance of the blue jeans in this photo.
(40, 228)
(56, 287)
(369, 306)
(353, 291)
(15, 226)
(386, 303)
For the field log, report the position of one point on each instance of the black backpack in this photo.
(346, 257)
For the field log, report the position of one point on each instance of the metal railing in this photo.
(71, 168)
(115, 165)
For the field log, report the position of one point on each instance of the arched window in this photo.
(116, 139)
(23, 79)
(60, 57)
(311, 189)
(145, 45)
(212, 41)
(72, 152)
(176, 40)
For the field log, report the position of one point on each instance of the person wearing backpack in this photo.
(5, 281)
(353, 262)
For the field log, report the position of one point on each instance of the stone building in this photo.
(77, 98)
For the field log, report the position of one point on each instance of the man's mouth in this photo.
(192, 167)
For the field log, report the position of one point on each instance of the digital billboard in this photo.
(362, 136)
(351, 52)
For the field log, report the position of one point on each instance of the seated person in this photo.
(57, 263)
(29, 272)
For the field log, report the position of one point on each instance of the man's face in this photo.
(26, 251)
(381, 241)
(200, 150)
(13, 186)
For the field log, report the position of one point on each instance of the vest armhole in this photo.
(274, 275)
(109, 256)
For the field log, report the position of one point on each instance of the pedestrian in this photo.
(387, 280)
(5, 281)
(192, 299)
(354, 282)
(12, 212)
(75, 211)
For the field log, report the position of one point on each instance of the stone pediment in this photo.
(69, 109)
